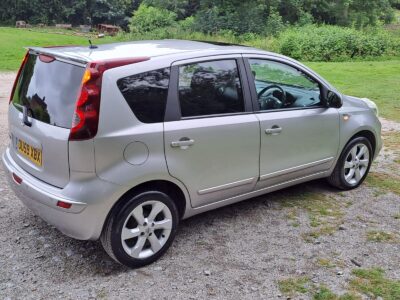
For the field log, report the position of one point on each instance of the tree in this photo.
(148, 18)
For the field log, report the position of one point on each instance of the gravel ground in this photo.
(240, 251)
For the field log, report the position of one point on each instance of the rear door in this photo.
(212, 138)
(45, 94)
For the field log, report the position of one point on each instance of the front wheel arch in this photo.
(368, 134)
(336, 178)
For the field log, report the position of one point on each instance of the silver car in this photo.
(120, 142)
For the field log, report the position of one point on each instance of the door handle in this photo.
(274, 130)
(183, 143)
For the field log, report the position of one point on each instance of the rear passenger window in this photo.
(146, 94)
(209, 88)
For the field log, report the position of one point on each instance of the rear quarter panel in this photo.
(128, 152)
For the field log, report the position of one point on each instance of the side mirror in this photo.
(334, 100)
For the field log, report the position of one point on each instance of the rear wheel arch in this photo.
(171, 189)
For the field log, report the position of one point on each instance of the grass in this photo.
(391, 141)
(365, 282)
(380, 236)
(13, 41)
(324, 212)
(325, 262)
(302, 285)
(373, 282)
(292, 286)
(384, 182)
(326, 294)
(377, 80)
(388, 181)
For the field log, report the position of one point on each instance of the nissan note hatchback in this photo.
(122, 141)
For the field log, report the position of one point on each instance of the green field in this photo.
(377, 80)
(14, 40)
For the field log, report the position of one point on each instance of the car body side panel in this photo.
(307, 144)
(224, 160)
(119, 128)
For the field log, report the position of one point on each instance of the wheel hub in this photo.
(153, 221)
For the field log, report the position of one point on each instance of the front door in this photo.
(213, 147)
(299, 135)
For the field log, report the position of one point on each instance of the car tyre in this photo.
(140, 230)
(353, 165)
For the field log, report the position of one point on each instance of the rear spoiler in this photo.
(82, 61)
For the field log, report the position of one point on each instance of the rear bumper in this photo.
(90, 201)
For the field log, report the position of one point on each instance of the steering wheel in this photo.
(268, 100)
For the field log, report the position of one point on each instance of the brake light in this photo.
(46, 58)
(18, 74)
(87, 109)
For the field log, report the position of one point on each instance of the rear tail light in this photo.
(87, 109)
(18, 74)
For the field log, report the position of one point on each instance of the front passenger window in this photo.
(210, 88)
(281, 86)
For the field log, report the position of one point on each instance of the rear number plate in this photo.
(31, 153)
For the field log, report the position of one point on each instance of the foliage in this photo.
(274, 24)
(327, 43)
(182, 8)
(210, 16)
(148, 18)
(65, 11)
(235, 15)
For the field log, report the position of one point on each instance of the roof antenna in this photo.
(91, 45)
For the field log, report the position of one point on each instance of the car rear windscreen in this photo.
(49, 90)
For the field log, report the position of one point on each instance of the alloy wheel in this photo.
(146, 229)
(356, 164)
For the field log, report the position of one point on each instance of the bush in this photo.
(148, 18)
(306, 43)
(186, 24)
(274, 24)
(333, 43)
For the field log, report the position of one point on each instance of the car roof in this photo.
(150, 48)
(157, 48)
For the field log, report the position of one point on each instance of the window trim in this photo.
(173, 108)
(252, 85)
